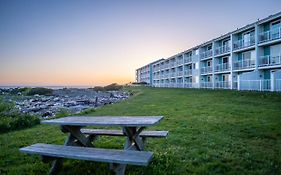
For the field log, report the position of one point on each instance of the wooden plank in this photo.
(141, 158)
(120, 133)
(128, 121)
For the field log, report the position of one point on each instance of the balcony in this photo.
(179, 73)
(269, 60)
(244, 64)
(270, 35)
(173, 64)
(240, 44)
(221, 50)
(205, 70)
(172, 74)
(187, 59)
(222, 67)
(188, 72)
(180, 62)
(188, 85)
(222, 84)
(206, 54)
(179, 85)
(206, 85)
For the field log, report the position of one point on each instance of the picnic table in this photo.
(79, 143)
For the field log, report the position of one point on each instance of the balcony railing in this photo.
(222, 67)
(255, 85)
(187, 59)
(188, 72)
(206, 54)
(244, 43)
(172, 64)
(270, 35)
(244, 64)
(187, 85)
(179, 85)
(172, 74)
(222, 49)
(205, 70)
(179, 73)
(277, 85)
(269, 60)
(206, 85)
(222, 84)
(180, 62)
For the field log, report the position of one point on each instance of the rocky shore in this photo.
(72, 100)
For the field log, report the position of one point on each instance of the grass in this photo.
(211, 132)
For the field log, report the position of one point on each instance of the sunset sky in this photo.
(97, 42)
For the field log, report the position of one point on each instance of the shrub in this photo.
(40, 91)
(112, 87)
(11, 119)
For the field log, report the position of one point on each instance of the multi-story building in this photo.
(248, 58)
(145, 73)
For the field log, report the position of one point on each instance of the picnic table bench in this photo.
(79, 145)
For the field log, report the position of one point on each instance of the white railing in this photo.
(179, 73)
(179, 85)
(272, 34)
(222, 67)
(222, 49)
(188, 85)
(255, 85)
(172, 74)
(244, 64)
(206, 85)
(187, 59)
(205, 70)
(244, 43)
(222, 84)
(180, 62)
(277, 85)
(269, 60)
(188, 72)
(172, 64)
(235, 85)
(206, 54)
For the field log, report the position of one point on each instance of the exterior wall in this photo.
(246, 59)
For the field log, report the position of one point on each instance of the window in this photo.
(197, 52)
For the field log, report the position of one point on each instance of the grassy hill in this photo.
(211, 132)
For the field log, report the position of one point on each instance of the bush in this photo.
(111, 87)
(40, 91)
(11, 119)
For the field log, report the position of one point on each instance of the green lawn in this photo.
(211, 132)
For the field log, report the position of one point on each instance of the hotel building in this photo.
(248, 58)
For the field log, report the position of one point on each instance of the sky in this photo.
(98, 42)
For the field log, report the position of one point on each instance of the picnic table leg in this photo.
(133, 141)
(58, 163)
(75, 138)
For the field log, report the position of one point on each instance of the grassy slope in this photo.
(211, 132)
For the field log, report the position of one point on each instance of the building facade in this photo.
(248, 58)
(145, 73)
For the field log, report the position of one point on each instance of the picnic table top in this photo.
(128, 121)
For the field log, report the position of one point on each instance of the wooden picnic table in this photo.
(132, 126)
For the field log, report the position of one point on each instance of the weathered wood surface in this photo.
(128, 121)
(141, 158)
(120, 133)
